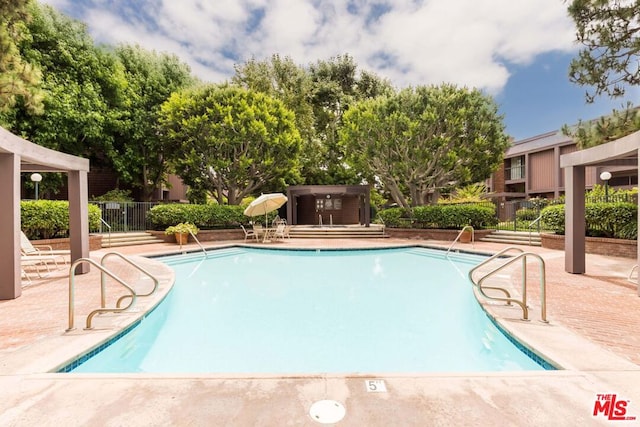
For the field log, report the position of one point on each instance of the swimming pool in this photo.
(246, 310)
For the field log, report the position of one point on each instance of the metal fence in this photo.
(124, 216)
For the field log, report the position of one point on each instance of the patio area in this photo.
(592, 333)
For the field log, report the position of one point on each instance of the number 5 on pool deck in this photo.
(375, 386)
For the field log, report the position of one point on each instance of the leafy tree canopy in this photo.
(83, 86)
(336, 86)
(608, 30)
(233, 141)
(605, 129)
(424, 139)
(18, 78)
(138, 154)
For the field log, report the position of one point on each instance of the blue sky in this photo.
(516, 51)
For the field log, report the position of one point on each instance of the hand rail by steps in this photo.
(156, 282)
(199, 244)
(535, 221)
(109, 227)
(473, 237)
(523, 302)
(104, 270)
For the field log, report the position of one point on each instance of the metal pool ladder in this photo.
(104, 271)
(508, 298)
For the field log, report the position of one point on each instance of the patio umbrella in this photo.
(264, 204)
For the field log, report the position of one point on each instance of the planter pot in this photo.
(465, 237)
(181, 238)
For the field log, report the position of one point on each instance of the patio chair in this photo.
(41, 253)
(249, 233)
(261, 232)
(279, 232)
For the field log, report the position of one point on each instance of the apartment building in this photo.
(531, 168)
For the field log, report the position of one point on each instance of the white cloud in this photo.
(467, 42)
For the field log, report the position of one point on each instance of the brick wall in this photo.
(596, 245)
(205, 235)
(430, 234)
(95, 243)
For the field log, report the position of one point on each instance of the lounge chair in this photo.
(38, 263)
(248, 233)
(25, 275)
(41, 253)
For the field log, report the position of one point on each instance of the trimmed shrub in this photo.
(46, 219)
(526, 214)
(616, 220)
(209, 216)
(447, 216)
(553, 218)
(394, 217)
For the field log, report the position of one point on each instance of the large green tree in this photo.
(233, 141)
(336, 85)
(138, 154)
(608, 30)
(424, 139)
(280, 78)
(83, 86)
(18, 78)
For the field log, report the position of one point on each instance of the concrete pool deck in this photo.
(593, 333)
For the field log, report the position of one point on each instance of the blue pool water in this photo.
(278, 312)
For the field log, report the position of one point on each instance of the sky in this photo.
(516, 51)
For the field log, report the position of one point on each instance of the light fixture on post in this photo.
(606, 176)
(36, 177)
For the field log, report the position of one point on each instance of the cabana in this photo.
(329, 204)
(18, 155)
(621, 153)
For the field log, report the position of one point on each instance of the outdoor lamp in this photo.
(606, 176)
(36, 177)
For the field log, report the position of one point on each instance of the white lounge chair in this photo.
(40, 253)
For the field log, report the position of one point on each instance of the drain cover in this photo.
(327, 411)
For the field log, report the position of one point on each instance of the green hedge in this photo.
(395, 217)
(46, 219)
(616, 220)
(209, 216)
(446, 216)
(527, 214)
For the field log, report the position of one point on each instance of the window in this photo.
(328, 204)
(515, 169)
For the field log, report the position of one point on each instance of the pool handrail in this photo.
(102, 309)
(199, 244)
(522, 302)
(473, 237)
(156, 282)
